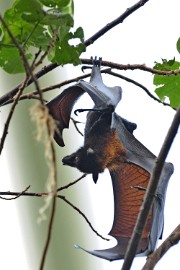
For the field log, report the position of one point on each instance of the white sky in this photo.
(146, 36)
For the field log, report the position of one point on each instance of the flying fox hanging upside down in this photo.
(109, 143)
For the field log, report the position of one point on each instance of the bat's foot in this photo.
(96, 62)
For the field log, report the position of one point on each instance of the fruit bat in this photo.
(109, 143)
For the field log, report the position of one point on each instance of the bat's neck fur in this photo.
(107, 150)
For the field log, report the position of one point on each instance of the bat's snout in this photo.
(70, 160)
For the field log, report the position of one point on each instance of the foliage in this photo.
(168, 86)
(33, 26)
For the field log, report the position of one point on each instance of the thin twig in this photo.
(151, 189)
(115, 22)
(8, 120)
(24, 59)
(50, 46)
(46, 194)
(139, 85)
(17, 196)
(59, 85)
(169, 242)
(32, 95)
(72, 183)
(29, 73)
(36, 55)
(38, 75)
(8, 98)
(89, 223)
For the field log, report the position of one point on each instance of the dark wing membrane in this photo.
(60, 108)
(127, 202)
(129, 184)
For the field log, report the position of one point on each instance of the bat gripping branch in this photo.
(96, 62)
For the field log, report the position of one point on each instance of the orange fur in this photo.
(110, 150)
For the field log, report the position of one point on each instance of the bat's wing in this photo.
(130, 180)
(127, 201)
(129, 184)
(60, 108)
(101, 94)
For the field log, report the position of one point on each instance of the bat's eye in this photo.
(90, 151)
(76, 159)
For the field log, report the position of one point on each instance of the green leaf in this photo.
(167, 65)
(178, 45)
(30, 11)
(64, 52)
(33, 24)
(66, 6)
(168, 86)
(57, 19)
(55, 3)
(10, 60)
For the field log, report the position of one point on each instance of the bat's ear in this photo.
(95, 177)
(129, 125)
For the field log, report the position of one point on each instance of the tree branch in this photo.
(5, 99)
(38, 75)
(142, 67)
(84, 216)
(8, 120)
(53, 181)
(16, 196)
(46, 89)
(139, 85)
(27, 67)
(115, 22)
(21, 87)
(170, 241)
(151, 191)
(72, 183)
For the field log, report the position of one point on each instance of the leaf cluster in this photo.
(33, 25)
(168, 86)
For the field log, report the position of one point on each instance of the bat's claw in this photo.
(85, 67)
(96, 62)
(109, 109)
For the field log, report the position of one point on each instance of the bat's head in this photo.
(84, 160)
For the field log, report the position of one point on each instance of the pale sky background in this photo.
(146, 36)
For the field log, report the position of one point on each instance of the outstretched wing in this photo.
(130, 179)
(129, 184)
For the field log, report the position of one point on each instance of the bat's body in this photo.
(109, 143)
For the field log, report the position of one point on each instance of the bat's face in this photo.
(84, 160)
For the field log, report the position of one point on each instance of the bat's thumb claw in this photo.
(110, 254)
(77, 246)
